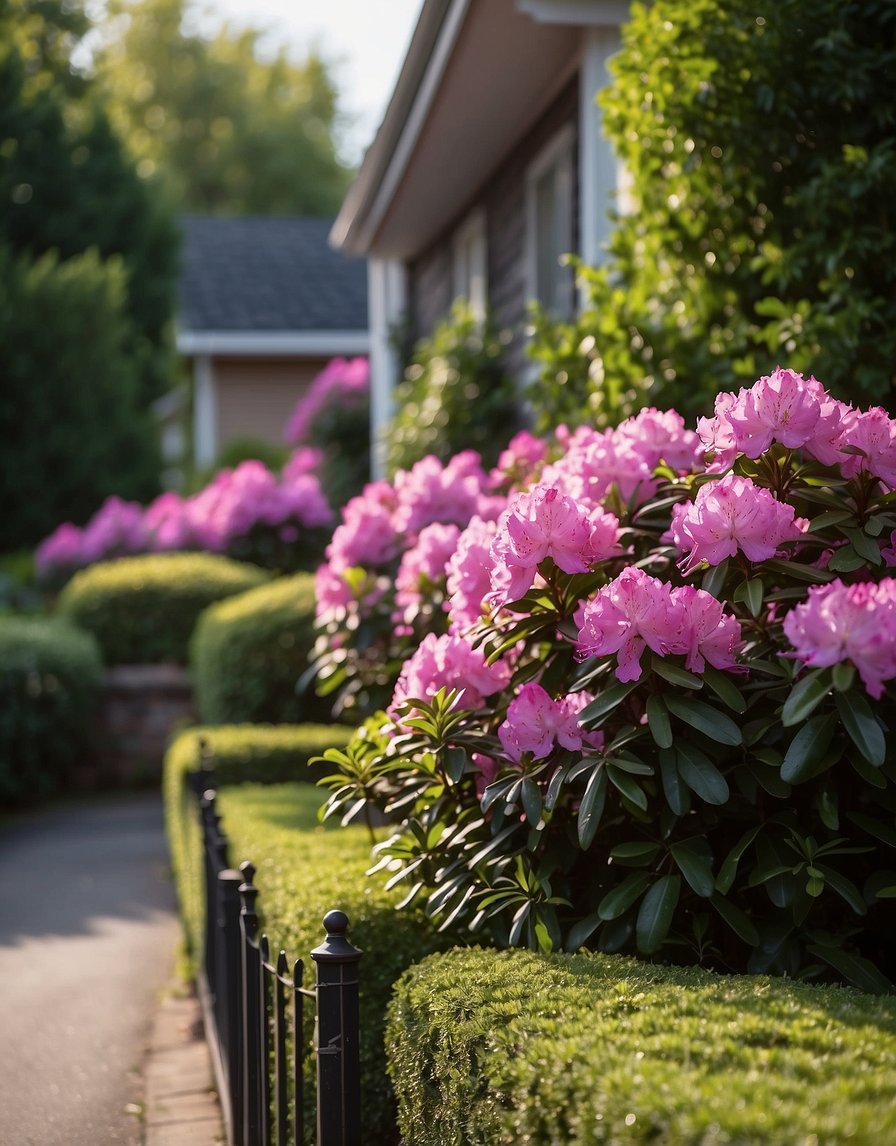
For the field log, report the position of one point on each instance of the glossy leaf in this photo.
(695, 867)
(737, 920)
(676, 792)
(655, 913)
(658, 721)
(674, 674)
(728, 870)
(725, 689)
(580, 932)
(706, 719)
(593, 714)
(861, 727)
(701, 775)
(620, 899)
(808, 748)
(805, 696)
(592, 807)
(629, 788)
(856, 970)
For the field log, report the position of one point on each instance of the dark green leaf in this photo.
(676, 793)
(846, 560)
(655, 914)
(864, 545)
(593, 714)
(872, 776)
(530, 796)
(844, 887)
(886, 833)
(629, 788)
(740, 924)
(808, 748)
(456, 760)
(791, 569)
(674, 674)
(805, 696)
(714, 579)
(695, 867)
(859, 972)
(728, 869)
(706, 719)
(592, 807)
(725, 689)
(861, 727)
(701, 775)
(753, 596)
(658, 721)
(635, 854)
(620, 899)
(843, 674)
(581, 931)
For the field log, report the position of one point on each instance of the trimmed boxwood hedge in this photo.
(303, 870)
(506, 1047)
(50, 677)
(248, 653)
(248, 753)
(142, 610)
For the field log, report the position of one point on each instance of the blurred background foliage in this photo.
(114, 119)
(760, 143)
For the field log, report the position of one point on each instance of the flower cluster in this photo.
(343, 383)
(664, 642)
(247, 512)
(854, 623)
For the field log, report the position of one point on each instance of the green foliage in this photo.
(742, 820)
(70, 418)
(142, 610)
(341, 430)
(302, 872)
(69, 186)
(249, 653)
(232, 131)
(762, 159)
(50, 675)
(489, 1047)
(455, 395)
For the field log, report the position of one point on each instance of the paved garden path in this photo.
(87, 935)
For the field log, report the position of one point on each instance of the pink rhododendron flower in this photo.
(718, 436)
(167, 523)
(305, 460)
(874, 433)
(116, 529)
(707, 632)
(594, 462)
(422, 567)
(889, 552)
(546, 523)
(536, 722)
(61, 550)
(633, 612)
(487, 769)
(343, 382)
(469, 574)
(780, 408)
(367, 535)
(854, 623)
(449, 661)
(519, 461)
(430, 491)
(730, 514)
(660, 436)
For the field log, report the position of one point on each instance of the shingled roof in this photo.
(267, 275)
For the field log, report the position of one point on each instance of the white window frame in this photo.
(469, 262)
(556, 156)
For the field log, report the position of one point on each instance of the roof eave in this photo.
(272, 344)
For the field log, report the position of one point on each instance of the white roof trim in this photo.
(270, 344)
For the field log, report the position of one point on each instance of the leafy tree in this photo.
(234, 132)
(68, 185)
(760, 141)
(71, 422)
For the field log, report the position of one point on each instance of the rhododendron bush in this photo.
(650, 704)
(248, 513)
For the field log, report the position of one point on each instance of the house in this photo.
(490, 164)
(264, 304)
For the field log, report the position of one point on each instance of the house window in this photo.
(469, 262)
(549, 226)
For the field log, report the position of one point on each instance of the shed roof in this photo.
(276, 275)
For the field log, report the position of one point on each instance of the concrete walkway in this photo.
(88, 931)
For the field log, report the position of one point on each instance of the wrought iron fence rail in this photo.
(250, 1001)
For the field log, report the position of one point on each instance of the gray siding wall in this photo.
(503, 198)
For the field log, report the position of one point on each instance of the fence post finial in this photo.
(338, 1060)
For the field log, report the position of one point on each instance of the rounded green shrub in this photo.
(249, 652)
(50, 675)
(142, 610)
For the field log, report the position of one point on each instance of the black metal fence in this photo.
(251, 1001)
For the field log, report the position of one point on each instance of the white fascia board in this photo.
(273, 344)
(584, 12)
(383, 183)
(598, 166)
